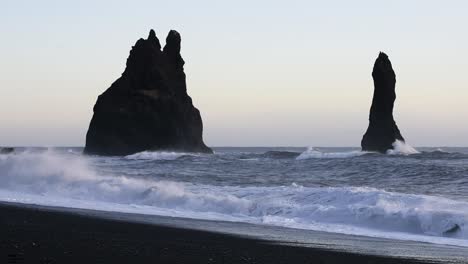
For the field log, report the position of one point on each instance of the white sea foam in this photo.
(441, 150)
(68, 181)
(312, 153)
(158, 155)
(402, 148)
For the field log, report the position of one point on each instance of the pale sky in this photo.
(262, 73)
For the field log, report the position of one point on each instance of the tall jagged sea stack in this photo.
(382, 131)
(148, 107)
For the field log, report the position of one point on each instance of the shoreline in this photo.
(32, 233)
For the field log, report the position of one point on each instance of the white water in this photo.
(402, 148)
(68, 181)
(399, 148)
(312, 153)
(153, 155)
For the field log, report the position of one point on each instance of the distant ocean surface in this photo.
(410, 194)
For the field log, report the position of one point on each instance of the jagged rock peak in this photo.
(382, 55)
(153, 39)
(172, 43)
(172, 50)
(148, 107)
(152, 34)
(383, 66)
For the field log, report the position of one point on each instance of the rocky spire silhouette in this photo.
(148, 107)
(382, 131)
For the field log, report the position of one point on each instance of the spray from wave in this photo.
(68, 180)
(402, 148)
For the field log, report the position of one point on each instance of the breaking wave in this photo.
(69, 181)
(158, 155)
(399, 148)
(281, 154)
(312, 153)
(402, 148)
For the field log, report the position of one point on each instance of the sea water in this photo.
(407, 194)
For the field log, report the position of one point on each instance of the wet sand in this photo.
(31, 234)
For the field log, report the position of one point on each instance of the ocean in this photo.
(417, 195)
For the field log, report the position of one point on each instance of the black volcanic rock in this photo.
(382, 131)
(148, 107)
(6, 150)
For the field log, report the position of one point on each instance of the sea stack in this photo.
(148, 107)
(382, 131)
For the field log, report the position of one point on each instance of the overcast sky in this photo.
(262, 73)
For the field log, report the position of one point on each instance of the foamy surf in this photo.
(70, 181)
(402, 148)
(158, 155)
(313, 153)
(399, 148)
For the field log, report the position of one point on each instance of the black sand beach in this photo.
(31, 234)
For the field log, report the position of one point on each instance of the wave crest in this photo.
(69, 180)
(158, 155)
(312, 153)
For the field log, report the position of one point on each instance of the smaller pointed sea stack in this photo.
(148, 107)
(382, 131)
